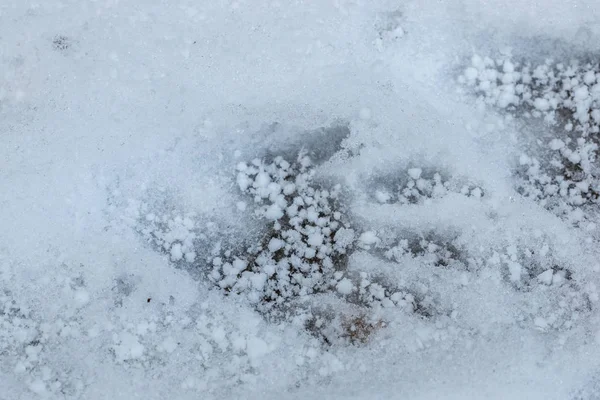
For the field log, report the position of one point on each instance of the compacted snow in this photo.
(285, 200)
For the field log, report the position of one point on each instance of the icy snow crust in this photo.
(235, 199)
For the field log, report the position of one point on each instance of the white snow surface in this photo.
(446, 247)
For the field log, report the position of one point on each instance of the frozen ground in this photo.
(336, 199)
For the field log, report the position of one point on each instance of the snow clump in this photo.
(174, 234)
(307, 241)
(564, 175)
(546, 90)
(306, 250)
(421, 186)
(569, 174)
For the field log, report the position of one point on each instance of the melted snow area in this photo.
(338, 199)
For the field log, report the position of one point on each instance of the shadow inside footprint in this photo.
(319, 144)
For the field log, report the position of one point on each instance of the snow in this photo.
(515, 270)
(256, 348)
(274, 212)
(555, 144)
(345, 286)
(382, 197)
(176, 253)
(127, 347)
(546, 277)
(275, 244)
(169, 345)
(283, 199)
(415, 173)
(368, 238)
(365, 113)
(82, 297)
(541, 104)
